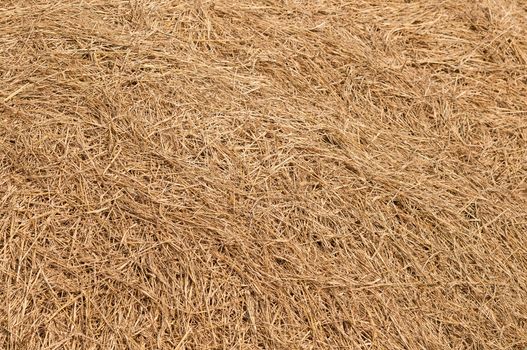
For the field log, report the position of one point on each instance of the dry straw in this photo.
(266, 174)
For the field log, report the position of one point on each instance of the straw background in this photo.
(263, 174)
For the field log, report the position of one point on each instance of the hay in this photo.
(263, 174)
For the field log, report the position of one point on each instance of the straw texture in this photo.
(261, 174)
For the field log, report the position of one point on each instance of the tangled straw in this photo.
(263, 174)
